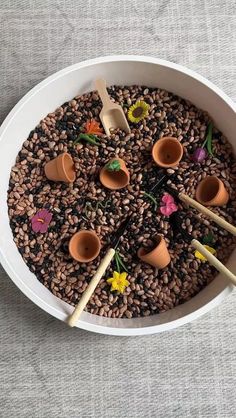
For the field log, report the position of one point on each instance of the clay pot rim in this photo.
(91, 233)
(158, 239)
(125, 172)
(62, 157)
(158, 143)
(208, 202)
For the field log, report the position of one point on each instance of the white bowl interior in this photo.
(46, 97)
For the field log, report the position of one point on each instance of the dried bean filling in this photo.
(86, 204)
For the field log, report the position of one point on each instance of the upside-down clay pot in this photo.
(61, 168)
(84, 246)
(212, 192)
(158, 256)
(167, 152)
(115, 180)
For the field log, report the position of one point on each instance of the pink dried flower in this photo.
(40, 222)
(168, 205)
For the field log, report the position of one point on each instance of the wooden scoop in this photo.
(112, 115)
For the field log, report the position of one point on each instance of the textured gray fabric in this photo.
(46, 369)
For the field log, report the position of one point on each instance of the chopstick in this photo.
(202, 209)
(73, 318)
(214, 261)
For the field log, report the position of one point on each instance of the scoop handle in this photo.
(91, 287)
(100, 85)
(214, 261)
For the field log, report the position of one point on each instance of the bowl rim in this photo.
(126, 331)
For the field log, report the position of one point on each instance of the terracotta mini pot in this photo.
(115, 180)
(212, 192)
(167, 152)
(157, 257)
(84, 246)
(61, 168)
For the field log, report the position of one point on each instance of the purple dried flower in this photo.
(199, 155)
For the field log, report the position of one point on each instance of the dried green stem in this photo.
(119, 263)
(208, 140)
(152, 198)
(91, 139)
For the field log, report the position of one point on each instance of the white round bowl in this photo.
(45, 98)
